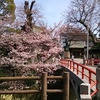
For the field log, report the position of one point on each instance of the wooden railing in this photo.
(44, 89)
(82, 71)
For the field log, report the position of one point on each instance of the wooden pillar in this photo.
(44, 86)
(66, 86)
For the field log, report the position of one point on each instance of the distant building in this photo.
(77, 48)
(74, 43)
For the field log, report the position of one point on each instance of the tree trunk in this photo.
(94, 39)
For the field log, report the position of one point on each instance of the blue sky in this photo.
(52, 9)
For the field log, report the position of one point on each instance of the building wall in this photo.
(77, 52)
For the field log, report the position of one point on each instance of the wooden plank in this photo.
(54, 90)
(19, 78)
(19, 92)
(54, 77)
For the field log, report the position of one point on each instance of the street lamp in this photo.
(87, 45)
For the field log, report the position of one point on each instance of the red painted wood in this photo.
(80, 69)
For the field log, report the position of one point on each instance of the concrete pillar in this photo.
(85, 91)
(98, 80)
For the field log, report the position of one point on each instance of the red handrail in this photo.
(92, 61)
(80, 70)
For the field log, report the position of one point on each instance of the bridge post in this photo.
(98, 80)
(44, 86)
(66, 86)
(85, 91)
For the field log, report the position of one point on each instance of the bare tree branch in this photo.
(86, 13)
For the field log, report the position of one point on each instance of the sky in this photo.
(52, 9)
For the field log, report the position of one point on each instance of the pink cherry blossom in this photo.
(29, 51)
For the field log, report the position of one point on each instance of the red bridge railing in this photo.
(92, 61)
(83, 71)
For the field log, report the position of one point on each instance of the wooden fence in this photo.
(44, 90)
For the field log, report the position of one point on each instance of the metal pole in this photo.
(87, 45)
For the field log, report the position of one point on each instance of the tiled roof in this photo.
(77, 44)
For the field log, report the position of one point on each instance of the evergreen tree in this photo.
(7, 8)
(7, 14)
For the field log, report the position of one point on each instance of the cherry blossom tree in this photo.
(28, 53)
(25, 51)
